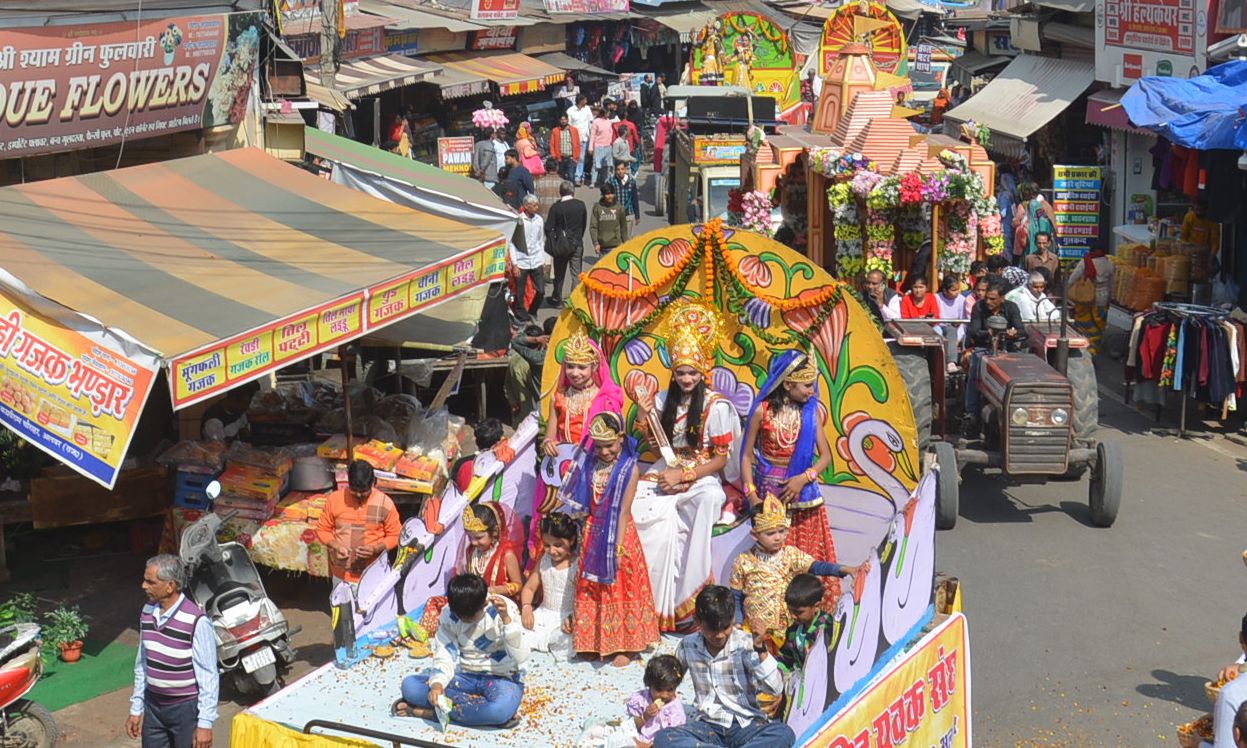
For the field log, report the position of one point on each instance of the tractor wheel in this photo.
(948, 490)
(917, 379)
(1086, 415)
(1105, 492)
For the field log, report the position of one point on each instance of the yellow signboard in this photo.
(73, 396)
(922, 700)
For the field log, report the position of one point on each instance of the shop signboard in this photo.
(358, 43)
(586, 6)
(402, 42)
(455, 154)
(921, 700)
(1000, 44)
(74, 395)
(73, 87)
(288, 11)
(1076, 192)
(211, 370)
(1137, 38)
(495, 10)
(1232, 17)
(922, 59)
(499, 37)
(716, 151)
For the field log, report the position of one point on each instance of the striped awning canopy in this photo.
(514, 73)
(359, 78)
(457, 84)
(228, 266)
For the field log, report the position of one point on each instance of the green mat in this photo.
(102, 669)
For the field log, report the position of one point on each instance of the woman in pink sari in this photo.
(584, 389)
(530, 157)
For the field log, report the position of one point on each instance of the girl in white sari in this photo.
(677, 505)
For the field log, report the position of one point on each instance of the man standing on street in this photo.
(601, 135)
(518, 173)
(176, 684)
(1042, 256)
(357, 524)
(528, 261)
(565, 230)
(608, 223)
(581, 118)
(626, 191)
(485, 159)
(565, 148)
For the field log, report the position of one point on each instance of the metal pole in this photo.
(343, 359)
(1061, 357)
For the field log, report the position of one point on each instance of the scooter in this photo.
(23, 723)
(253, 637)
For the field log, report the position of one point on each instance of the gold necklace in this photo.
(576, 403)
(787, 422)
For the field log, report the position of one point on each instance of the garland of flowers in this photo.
(739, 294)
(847, 230)
(783, 305)
(676, 292)
(760, 29)
(642, 291)
(961, 237)
(711, 239)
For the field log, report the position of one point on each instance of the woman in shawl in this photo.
(614, 610)
(583, 390)
(785, 449)
(493, 541)
(1038, 216)
(530, 157)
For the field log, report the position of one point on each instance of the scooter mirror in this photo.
(212, 490)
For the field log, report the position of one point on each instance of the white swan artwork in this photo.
(860, 517)
(909, 565)
(857, 628)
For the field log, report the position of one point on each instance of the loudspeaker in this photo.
(731, 107)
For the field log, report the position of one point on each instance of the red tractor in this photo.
(1036, 424)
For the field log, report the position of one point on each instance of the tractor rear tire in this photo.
(917, 379)
(948, 489)
(1105, 491)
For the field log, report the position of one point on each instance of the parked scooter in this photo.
(253, 637)
(23, 724)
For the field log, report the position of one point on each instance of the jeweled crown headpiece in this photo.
(472, 523)
(803, 371)
(693, 334)
(578, 349)
(772, 516)
(605, 428)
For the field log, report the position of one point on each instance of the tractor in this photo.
(1036, 424)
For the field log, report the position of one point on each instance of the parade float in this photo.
(895, 664)
(747, 50)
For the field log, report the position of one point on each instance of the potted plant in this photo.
(66, 628)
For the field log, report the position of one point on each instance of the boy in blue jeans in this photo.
(477, 655)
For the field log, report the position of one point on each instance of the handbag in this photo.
(1081, 291)
(534, 165)
(562, 245)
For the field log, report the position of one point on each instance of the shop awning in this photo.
(325, 96)
(514, 73)
(963, 69)
(1028, 94)
(410, 18)
(417, 185)
(1104, 109)
(228, 266)
(356, 79)
(572, 65)
(685, 23)
(457, 84)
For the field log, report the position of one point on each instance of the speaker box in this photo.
(731, 107)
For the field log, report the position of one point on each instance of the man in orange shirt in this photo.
(357, 524)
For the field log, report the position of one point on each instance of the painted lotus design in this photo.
(828, 336)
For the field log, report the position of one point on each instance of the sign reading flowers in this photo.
(873, 211)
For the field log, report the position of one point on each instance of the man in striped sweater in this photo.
(175, 673)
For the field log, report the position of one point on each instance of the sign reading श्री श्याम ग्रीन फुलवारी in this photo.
(69, 87)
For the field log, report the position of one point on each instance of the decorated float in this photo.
(747, 50)
(895, 664)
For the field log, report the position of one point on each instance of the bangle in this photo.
(689, 475)
(811, 476)
(750, 489)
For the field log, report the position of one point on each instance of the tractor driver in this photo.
(980, 338)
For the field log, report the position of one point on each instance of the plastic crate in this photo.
(189, 490)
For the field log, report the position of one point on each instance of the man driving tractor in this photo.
(979, 338)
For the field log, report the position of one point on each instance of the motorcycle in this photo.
(253, 636)
(23, 723)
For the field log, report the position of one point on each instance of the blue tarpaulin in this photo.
(1204, 113)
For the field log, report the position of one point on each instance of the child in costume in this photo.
(651, 709)
(548, 627)
(614, 610)
(677, 505)
(803, 598)
(761, 574)
(491, 550)
(584, 389)
(785, 449)
(477, 655)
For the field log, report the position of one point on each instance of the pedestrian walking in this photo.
(528, 261)
(581, 117)
(565, 148)
(566, 94)
(530, 156)
(518, 173)
(626, 192)
(485, 161)
(621, 147)
(601, 134)
(176, 683)
(608, 223)
(547, 187)
(565, 235)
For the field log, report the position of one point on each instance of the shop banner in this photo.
(406, 42)
(72, 87)
(75, 397)
(210, 371)
(495, 10)
(922, 700)
(1152, 25)
(587, 6)
(455, 154)
(287, 11)
(1076, 201)
(499, 37)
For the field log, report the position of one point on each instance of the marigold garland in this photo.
(625, 333)
(783, 305)
(738, 294)
(637, 293)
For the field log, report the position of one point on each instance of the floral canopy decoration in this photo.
(868, 208)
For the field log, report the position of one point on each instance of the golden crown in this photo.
(605, 428)
(693, 334)
(803, 373)
(578, 349)
(472, 523)
(772, 516)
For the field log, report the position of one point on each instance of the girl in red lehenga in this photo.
(584, 389)
(614, 612)
(785, 450)
(492, 544)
